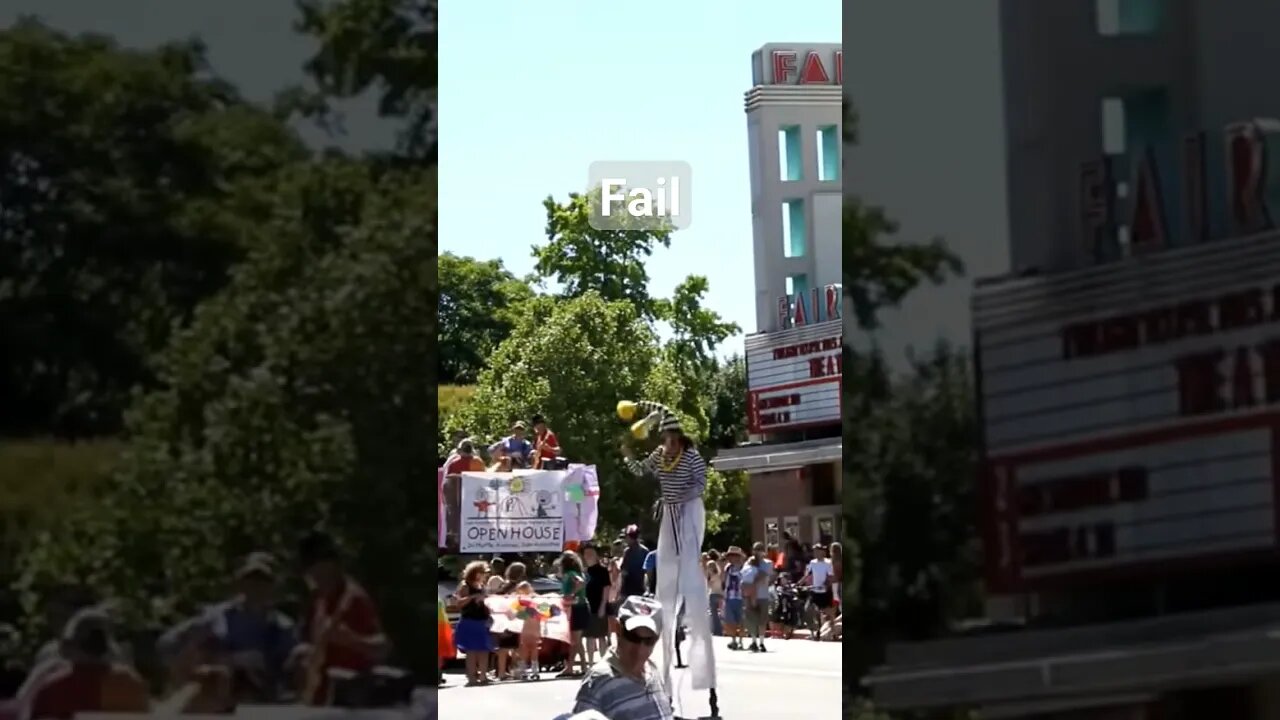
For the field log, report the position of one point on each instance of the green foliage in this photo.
(116, 167)
(573, 360)
(910, 464)
(727, 414)
(295, 398)
(39, 481)
(582, 259)
(452, 399)
(696, 333)
(388, 46)
(478, 303)
(909, 456)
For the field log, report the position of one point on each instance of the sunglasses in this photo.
(647, 641)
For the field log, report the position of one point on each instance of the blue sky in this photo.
(533, 93)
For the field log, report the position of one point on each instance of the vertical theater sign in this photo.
(1226, 185)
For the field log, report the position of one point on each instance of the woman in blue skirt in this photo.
(472, 634)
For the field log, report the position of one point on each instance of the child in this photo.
(530, 635)
(733, 602)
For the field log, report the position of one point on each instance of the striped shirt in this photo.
(617, 696)
(681, 483)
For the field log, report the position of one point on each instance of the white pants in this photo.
(681, 579)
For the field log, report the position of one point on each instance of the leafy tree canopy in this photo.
(478, 303)
(115, 169)
(296, 398)
(383, 46)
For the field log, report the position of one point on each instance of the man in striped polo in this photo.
(624, 685)
(682, 585)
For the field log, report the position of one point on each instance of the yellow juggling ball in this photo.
(626, 410)
(640, 429)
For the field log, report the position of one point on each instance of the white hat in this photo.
(638, 612)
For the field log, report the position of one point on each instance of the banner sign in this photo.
(516, 512)
(582, 497)
(506, 614)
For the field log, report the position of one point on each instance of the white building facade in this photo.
(794, 115)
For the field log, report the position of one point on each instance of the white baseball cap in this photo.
(638, 612)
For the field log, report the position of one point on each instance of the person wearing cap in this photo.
(625, 684)
(62, 604)
(514, 447)
(632, 580)
(819, 576)
(342, 630)
(734, 605)
(87, 679)
(247, 634)
(682, 479)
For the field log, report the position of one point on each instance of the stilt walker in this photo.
(682, 479)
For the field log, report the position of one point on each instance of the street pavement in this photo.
(796, 679)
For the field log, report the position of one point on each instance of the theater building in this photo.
(1129, 382)
(794, 359)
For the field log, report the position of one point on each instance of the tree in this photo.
(728, 404)
(388, 46)
(297, 397)
(909, 454)
(117, 166)
(582, 259)
(696, 331)
(478, 303)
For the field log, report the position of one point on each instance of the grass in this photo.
(41, 479)
(452, 398)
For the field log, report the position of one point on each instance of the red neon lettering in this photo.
(813, 71)
(1200, 384)
(1245, 159)
(1146, 226)
(784, 66)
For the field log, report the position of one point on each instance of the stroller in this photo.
(553, 655)
(786, 607)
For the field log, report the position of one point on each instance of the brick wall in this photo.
(776, 495)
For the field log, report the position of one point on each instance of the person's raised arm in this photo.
(641, 467)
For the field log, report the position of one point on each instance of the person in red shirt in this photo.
(462, 460)
(87, 680)
(342, 630)
(545, 443)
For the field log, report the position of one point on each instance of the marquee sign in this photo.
(793, 378)
(1132, 414)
